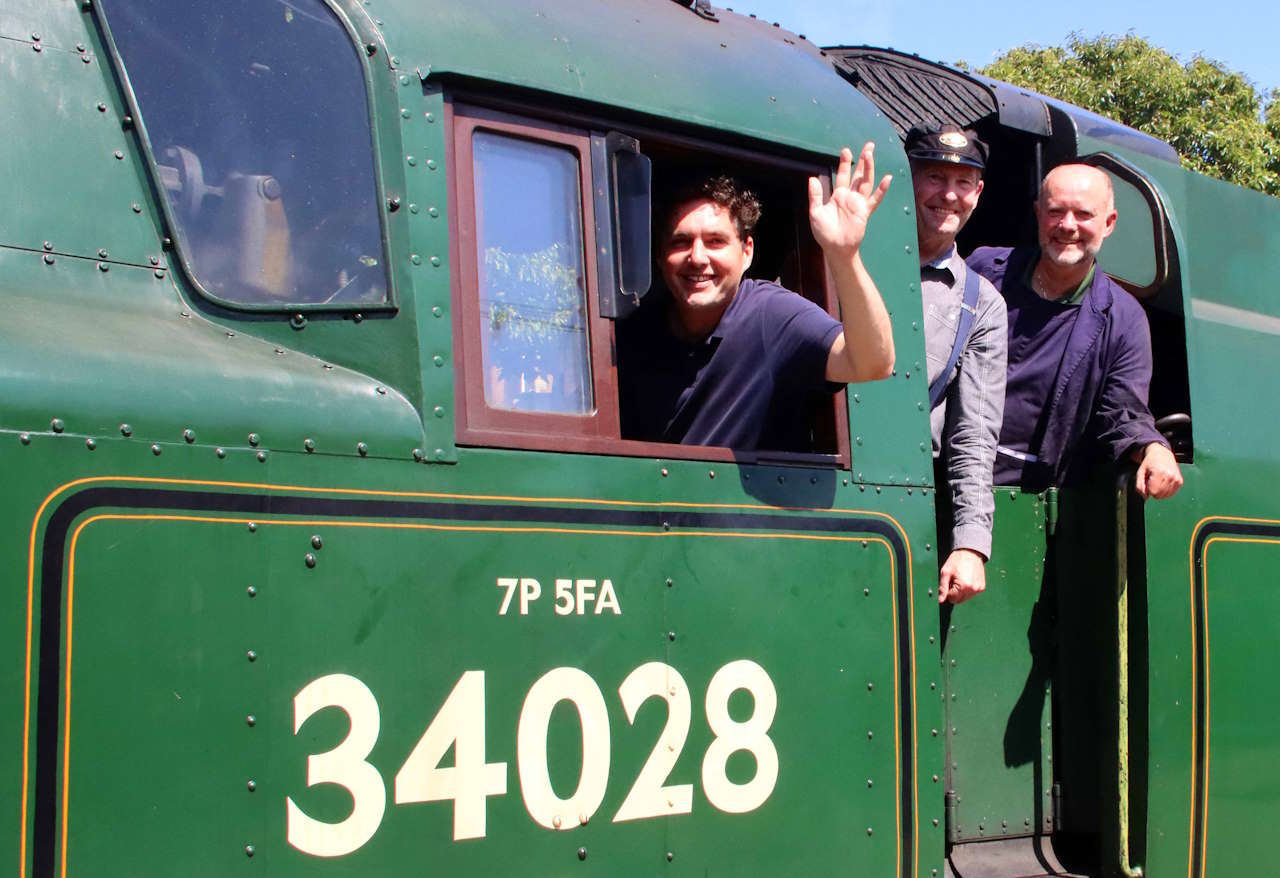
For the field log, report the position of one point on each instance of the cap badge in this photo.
(953, 139)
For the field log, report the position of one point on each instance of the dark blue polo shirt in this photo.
(751, 384)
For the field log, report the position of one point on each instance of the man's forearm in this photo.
(868, 332)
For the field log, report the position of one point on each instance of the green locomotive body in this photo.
(328, 554)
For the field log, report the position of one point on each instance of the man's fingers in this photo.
(815, 195)
(943, 588)
(1140, 483)
(876, 197)
(845, 168)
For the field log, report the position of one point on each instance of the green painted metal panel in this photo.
(159, 689)
(427, 191)
(101, 349)
(162, 623)
(645, 57)
(1238, 570)
(998, 665)
(75, 186)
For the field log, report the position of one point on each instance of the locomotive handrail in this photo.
(1124, 485)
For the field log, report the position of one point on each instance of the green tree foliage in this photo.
(1215, 119)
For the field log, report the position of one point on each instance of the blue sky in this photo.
(1239, 33)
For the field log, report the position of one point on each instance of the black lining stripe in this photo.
(59, 524)
(1200, 635)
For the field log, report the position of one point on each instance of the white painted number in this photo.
(648, 796)
(460, 725)
(732, 736)
(544, 806)
(471, 780)
(344, 765)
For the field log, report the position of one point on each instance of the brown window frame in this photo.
(480, 424)
(598, 432)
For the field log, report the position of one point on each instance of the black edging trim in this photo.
(54, 547)
(1200, 636)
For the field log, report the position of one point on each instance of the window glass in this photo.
(533, 302)
(259, 122)
(1130, 252)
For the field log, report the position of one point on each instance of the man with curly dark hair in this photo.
(736, 362)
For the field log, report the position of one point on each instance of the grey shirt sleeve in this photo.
(965, 425)
(971, 423)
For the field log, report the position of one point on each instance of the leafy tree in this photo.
(1215, 119)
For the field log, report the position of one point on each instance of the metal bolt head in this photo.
(119, 154)
(262, 457)
(102, 266)
(670, 856)
(189, 435)
(221, 452)
(126, 430)
(252, 591)
(671, 635)
(310, 560)
(102, 253)
(316, 542)
(362, 449)
(253, 439)
(48, 259)
(25, 438)
(252, 785)
(253, 528)
(156, 449)
(582, 853)
(248, 850)
(251, 720)
(251, 655)
(56, 425)
(90, 443)
(418, 455)
(382, 391)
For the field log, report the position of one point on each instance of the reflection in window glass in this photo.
(259, 122)
(1130, 252)
(533, 303)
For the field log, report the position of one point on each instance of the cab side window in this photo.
(535, 369)
(551, 322)
(258, 119)
(532, 276)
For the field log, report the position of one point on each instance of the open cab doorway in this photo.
(1046, 673)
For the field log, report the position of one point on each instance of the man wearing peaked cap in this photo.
(966, 346)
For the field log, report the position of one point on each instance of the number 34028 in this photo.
(471, 780)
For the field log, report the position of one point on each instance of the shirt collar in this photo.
(1076, 295)
(943, 262)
